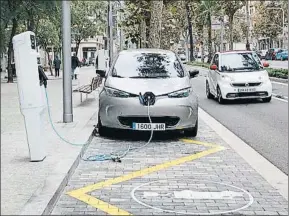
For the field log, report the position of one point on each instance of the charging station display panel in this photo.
(25, 53)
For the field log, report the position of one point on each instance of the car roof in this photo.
(139, 51)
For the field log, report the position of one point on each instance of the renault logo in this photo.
(247, 84)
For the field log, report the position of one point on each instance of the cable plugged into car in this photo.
(147, 99)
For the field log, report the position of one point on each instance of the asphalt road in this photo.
(278, 64)
(263, 126)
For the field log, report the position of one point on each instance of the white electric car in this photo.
(238, 75)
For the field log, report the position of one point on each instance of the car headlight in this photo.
(117, 93)
(180, 93)
(264, 77)
(227, 78)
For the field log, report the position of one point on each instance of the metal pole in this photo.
(110, 25)
(66, 49)
(283, 26)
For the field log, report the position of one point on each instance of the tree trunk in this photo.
(49, 62)
(209, 38)
(143, 33)
(231, 42)
(10, 50)
(77, 47)
(155, 24)
(190, 32)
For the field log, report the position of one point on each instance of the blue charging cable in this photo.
(114, 156)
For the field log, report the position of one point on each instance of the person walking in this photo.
(74, 65)
(57, 64)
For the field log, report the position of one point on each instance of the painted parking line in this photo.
(81, 193)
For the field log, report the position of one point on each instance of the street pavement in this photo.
(172, 175)
(278, 64)
(26, 187)
(264, 126)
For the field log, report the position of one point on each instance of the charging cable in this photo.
(116, 156)
(53, 127)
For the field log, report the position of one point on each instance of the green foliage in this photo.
(47, 34)
(87, 19)
(268, 22)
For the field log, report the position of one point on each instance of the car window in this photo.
(147, 65)
(233, 62)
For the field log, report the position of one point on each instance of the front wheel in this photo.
(192, 132)
(267, 100)
(208, 92)
(102, 131)
(219, 96)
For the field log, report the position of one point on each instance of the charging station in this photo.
(31, 81)
(102, 60)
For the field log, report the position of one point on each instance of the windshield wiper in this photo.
(148, 77)
(246, 68)
(118, 76)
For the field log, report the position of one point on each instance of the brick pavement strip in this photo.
(219, 171)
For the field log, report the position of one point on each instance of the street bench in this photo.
(87, 89)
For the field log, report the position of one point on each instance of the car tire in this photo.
(192, 132)
(102, 131)
(208, 93)
(220, 99)
(267, 100)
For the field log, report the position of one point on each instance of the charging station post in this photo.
(30, 90)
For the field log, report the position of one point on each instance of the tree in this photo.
(155, 24)
(268, 22)
(173, 24)
(87, 20)
(47, 36)
(189, 18)
(230, 8)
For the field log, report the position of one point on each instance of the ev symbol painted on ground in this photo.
(193, 192)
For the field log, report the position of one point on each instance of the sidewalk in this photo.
(26, 187)
(172, 175)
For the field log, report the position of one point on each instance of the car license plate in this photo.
(148, 126)
(247, 90)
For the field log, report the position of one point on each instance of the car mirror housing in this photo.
(213, 67)
(193, 73)
(265, 64)
(101, 73)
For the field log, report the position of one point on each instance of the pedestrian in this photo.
(74, 64)
(57, 64)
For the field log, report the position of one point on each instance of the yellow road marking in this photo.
(81, 194)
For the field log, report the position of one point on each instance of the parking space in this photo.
(172, 175)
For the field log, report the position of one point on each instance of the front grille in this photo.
(244, 84)
(168, 120)
(246, 94)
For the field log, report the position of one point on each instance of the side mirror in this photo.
(265, 64)
(213, 67)
(101, 73)
(193, 73)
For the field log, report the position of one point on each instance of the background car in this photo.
(155, 73)
(238, 75)
(271, 53)
(282, 55)
(261, 54)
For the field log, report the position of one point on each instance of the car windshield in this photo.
(235, 62)
(147, 65)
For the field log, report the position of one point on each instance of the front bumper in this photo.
(264, 90)
(120, 113)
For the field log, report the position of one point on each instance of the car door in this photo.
(214, 74)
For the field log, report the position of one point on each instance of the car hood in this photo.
(156, 86)
(247, 76)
